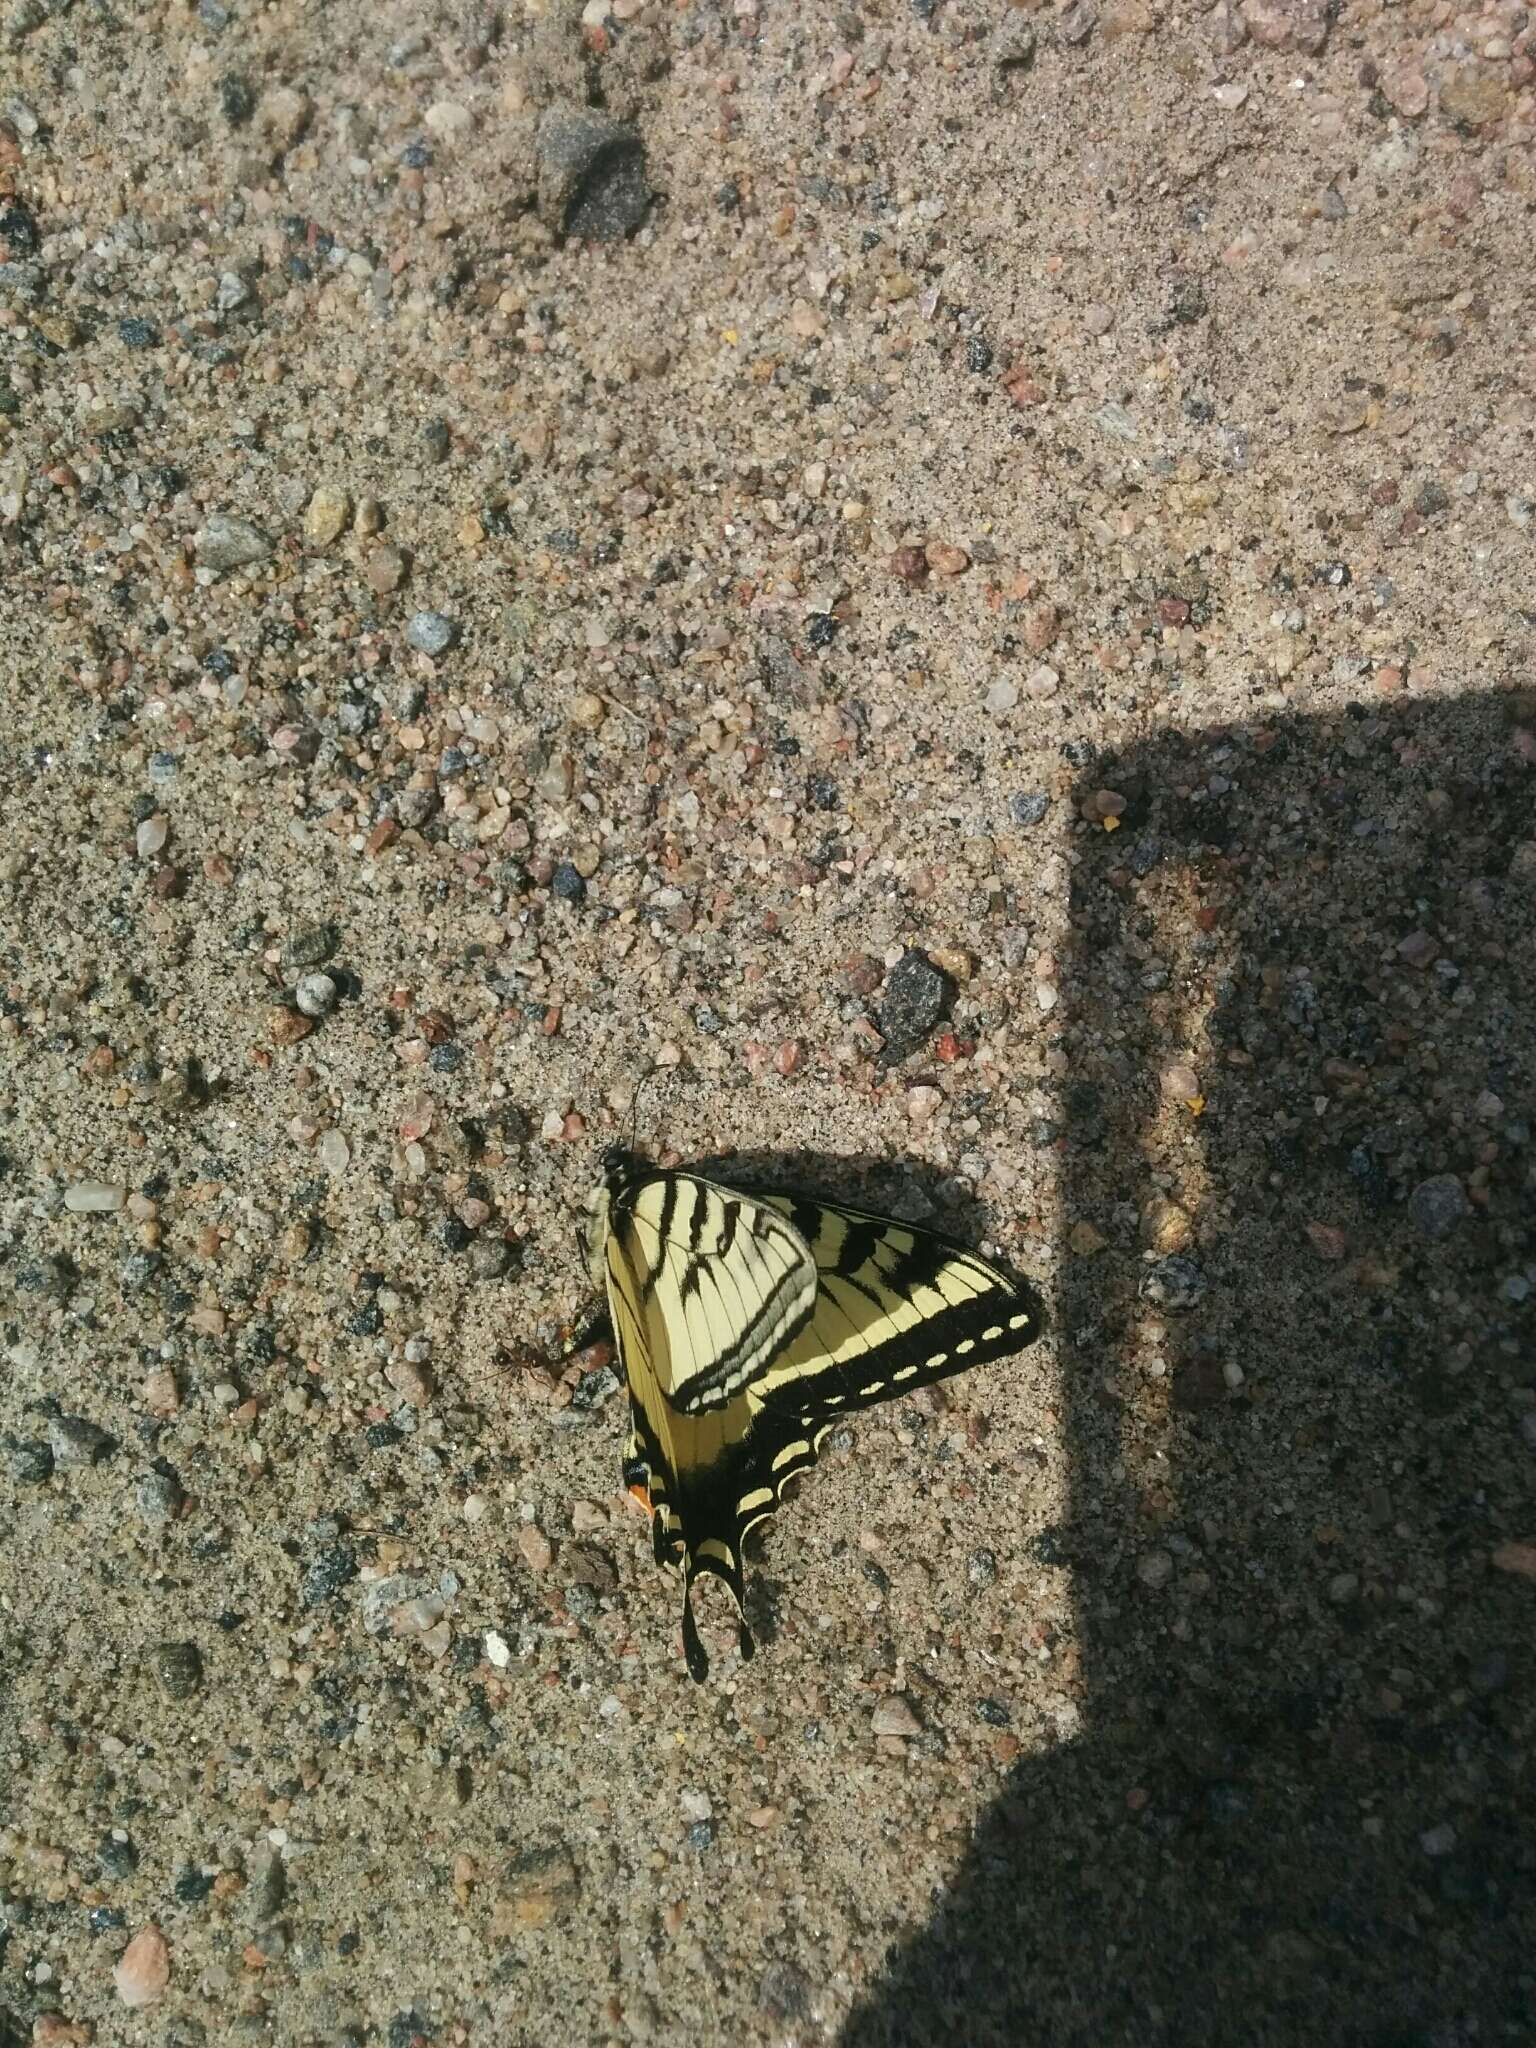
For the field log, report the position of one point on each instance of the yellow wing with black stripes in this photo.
(748, 1323)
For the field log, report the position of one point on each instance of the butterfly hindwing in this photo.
(748, 1323)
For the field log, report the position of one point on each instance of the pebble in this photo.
(226, 542)
(1003, 695)
(268, 1882)
(981, 1568)
(309, 946)
(158, 1497)
(1176, 1283)
(315, 994)
(1028, 808)
(386, 569)
(917, 998)
(77, 1443)
(1437, 1205)
(894, 1716)
(431, 632)
(1041, 628)
(179, 1668)
(1406, 90)
(1155, 1568)
(491, 1259)
(945, 559)
(784, 1992)
(93, 1198)
(592, 182)
(537, 1550)
(1438, 1841)
(28, 1462)
(333, 1152)
(150, 836)
(282, 115)
(413, 1383)
(143, 1970)
(448, 120)
(1013, 45)
(326, 515)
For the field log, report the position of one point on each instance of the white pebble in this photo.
(315, 994)
(92, 1198)
(335, 1154)
(151, 836)
(496, 1650)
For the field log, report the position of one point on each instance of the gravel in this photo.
(979, 572)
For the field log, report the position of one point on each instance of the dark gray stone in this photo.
(1438, 1205)
(917, 998)
(592, 181)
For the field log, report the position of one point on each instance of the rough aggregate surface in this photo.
(956, 578)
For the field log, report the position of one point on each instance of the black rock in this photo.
(1174, 1283)
(332, 1569)
(917, 998)
(179, 1668)
(594, 1388)
(117, 1859)
(237, 97)
(310, 946)
(1028, 807)
(19, 229)
(28, 1463)
(567, 885)
(592, 178)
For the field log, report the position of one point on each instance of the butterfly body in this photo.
(748, 1323)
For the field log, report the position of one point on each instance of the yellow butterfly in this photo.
(747, 1324)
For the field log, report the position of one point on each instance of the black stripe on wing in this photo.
(726, 1275)
(701, 1516)
(897, 1308)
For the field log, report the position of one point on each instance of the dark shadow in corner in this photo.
(1300, 1807)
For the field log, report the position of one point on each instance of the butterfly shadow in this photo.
(1297, 1381)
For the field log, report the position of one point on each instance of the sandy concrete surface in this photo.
(538, 540)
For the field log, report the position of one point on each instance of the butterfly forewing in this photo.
(720, 1282)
